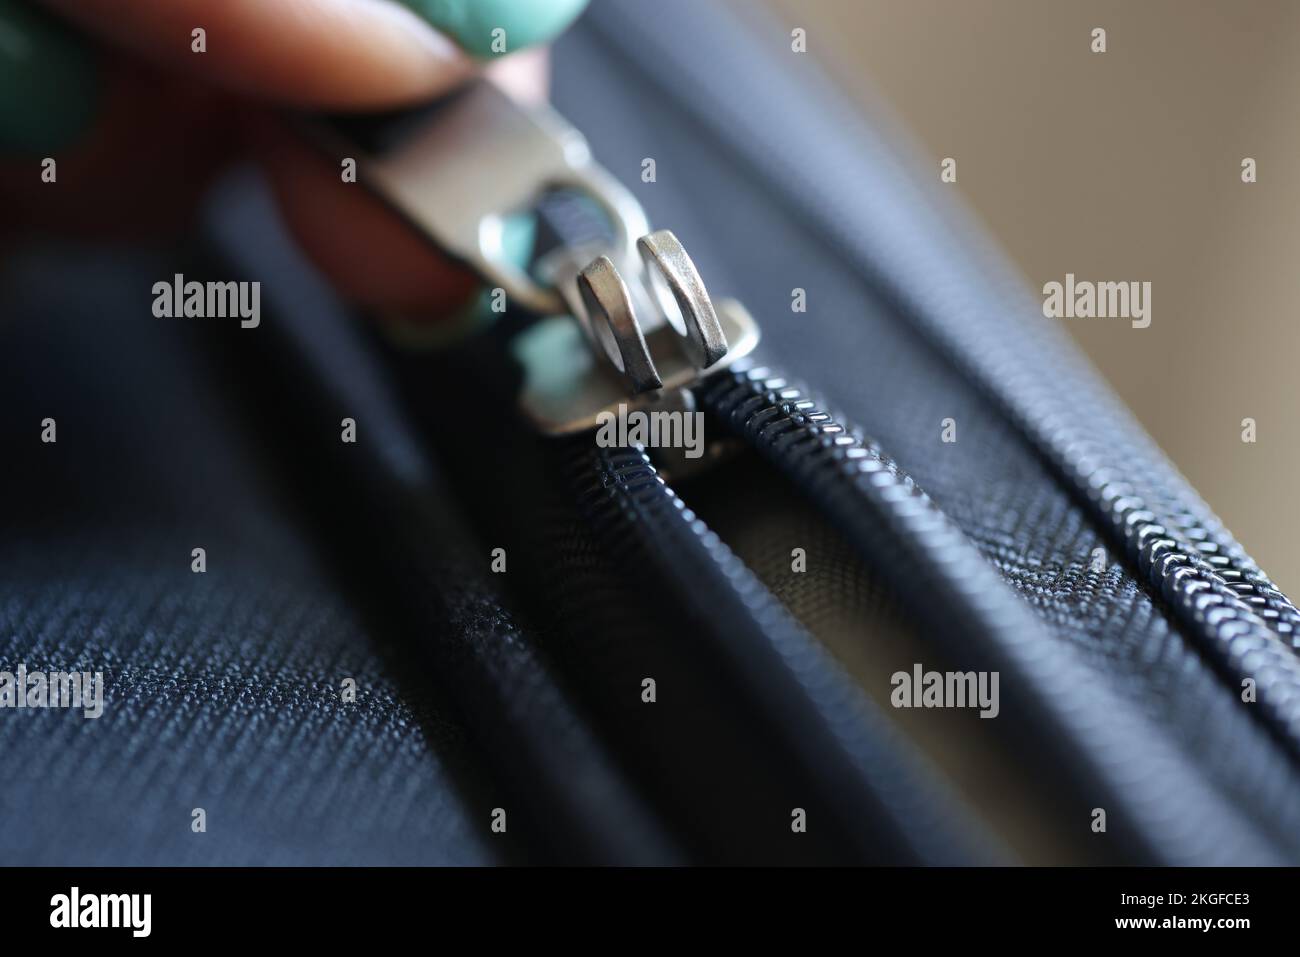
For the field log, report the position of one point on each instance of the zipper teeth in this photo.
(1004, 358)
(866, 491)
(782, 418)
(1164, 532)
(1165, 529)
(634, 509)
(1201, 573)
(1214, 553)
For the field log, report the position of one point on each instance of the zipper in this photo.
(841, 744)
(887, 227)
(459, 168)
(847, 750)
(652, 335)
(977, 619)
(541, 752)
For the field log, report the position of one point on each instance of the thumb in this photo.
(324, 53)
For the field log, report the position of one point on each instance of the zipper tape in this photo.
(537, 743)
(847, 748)
(935, 265)
(1107, 747)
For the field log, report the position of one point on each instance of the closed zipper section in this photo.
(979, 622)
(964, 297)
(840, 742)
(540, 751)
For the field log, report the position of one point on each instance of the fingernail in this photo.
(48, 80)
(491, 28)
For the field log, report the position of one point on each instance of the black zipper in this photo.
(822, 722)
(1086, 733)
(855, 761)
(936, 267)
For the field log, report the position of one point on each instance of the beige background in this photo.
(1127, 166)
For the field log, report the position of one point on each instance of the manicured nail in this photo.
(491, 28)
(48, 80)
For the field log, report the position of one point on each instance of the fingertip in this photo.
(342, 54)
(487, 29)
(49, 81)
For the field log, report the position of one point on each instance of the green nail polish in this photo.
(48, 80)
(490, 28)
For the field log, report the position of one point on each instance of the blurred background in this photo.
(1127, 166)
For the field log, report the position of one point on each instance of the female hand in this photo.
(140, 111)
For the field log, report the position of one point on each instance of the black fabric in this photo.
(223, 688)
(858, 349)
(519, 691)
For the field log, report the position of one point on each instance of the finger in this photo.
(324, 53)
(111, 186)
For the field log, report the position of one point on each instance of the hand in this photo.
(139, 122)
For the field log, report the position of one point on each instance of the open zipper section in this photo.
(942, 274)
(853, 759)
(1159, 809)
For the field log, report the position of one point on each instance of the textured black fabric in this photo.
(862, 353)
(845, 605)
(223, 688)
(473, 691)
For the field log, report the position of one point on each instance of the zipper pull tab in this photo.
(456, 169)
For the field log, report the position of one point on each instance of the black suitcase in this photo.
(788, 603)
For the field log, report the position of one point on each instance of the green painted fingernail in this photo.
(49, 90)
(490, 28)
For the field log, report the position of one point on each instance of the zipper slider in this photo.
(456, 169)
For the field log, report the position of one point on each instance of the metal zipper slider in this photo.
(456, 169)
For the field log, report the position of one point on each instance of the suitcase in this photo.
(927, 595)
